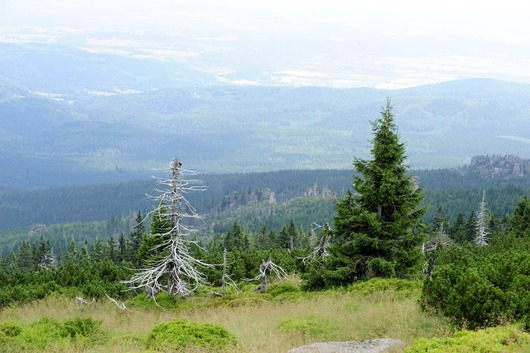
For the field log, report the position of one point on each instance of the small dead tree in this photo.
(320, 251)
(483, 233)
(226, 279)
(223, 278)
(174, 270)
(268, 268)
(429, 248)
(49, 260)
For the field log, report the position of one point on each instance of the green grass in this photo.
(310, 326)
(284, 318)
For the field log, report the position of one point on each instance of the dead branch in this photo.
(81, 301)
(120, 305)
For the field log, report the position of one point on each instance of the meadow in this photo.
(283, 318)
(277, 321)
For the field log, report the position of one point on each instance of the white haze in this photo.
(389, 44)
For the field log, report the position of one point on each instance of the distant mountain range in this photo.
(72, 117)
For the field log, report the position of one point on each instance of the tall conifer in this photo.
(377, 228)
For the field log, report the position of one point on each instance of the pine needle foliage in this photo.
(376, 231)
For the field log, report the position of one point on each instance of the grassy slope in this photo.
(261, 323)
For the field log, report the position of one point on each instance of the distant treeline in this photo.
(105, 211)
(23, 208)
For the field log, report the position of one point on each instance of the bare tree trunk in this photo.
(263, 288)
(483, 232)
(223, 284)
(175, 218)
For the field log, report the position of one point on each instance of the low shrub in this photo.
(180, 334)
(501, 339)
(285, 291)
(25, 293)
(479, 287)
(85, 327)
(40, 334)
(401, 286)
(276, 289)
(307, 327)
(10, 330)
(45, 333)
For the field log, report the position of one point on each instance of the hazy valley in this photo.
(66, 125)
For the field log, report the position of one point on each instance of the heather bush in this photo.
(181, 334)
(502, 339)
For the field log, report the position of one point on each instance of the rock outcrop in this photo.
(495, 166)
(254, 197)
(379, 345)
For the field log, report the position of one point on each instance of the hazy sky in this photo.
(334, 43)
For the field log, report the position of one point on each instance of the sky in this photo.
(378, 43)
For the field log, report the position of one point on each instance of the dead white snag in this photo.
(177, 273)
(429, 249)
(226, 279)
(483, 233)
(268, 268)
(320, 251)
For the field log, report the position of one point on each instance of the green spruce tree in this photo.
(236, 238)
(135, 238)
(152, 244)
(288, 237)
(377, 229)
(519, 224)
(25, 257)
(72, 255)
(458, 230)
(261, 242)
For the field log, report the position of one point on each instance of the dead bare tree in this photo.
(174, 271)
(483, 233)
(265, 269)
(429, 248)
(49, 260)
(226, 279)
(440, 238)
(320, 251)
